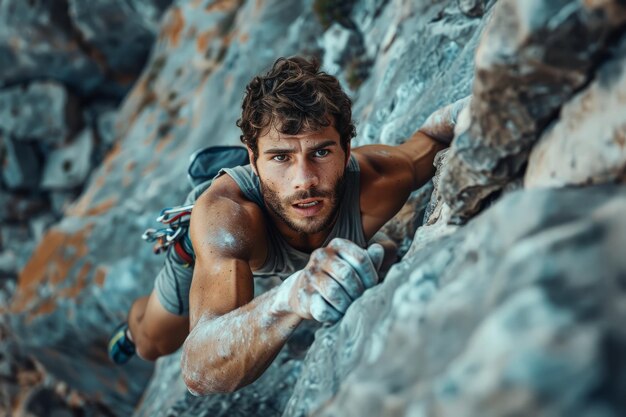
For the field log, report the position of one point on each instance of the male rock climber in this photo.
(306, 209)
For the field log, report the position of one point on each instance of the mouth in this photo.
(309, 202)
(308, 207)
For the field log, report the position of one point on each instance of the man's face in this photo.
(302, 177)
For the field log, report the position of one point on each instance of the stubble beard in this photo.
(307, 225)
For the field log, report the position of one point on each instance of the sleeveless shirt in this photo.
(283, 259)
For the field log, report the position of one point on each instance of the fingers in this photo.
(321, 311)
(358, 259)
(333, 293)
(376, 253)
(343, 273)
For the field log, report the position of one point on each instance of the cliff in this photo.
(511, 293)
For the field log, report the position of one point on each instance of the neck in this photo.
(304, 242)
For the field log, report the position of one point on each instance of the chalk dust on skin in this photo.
(229, 340)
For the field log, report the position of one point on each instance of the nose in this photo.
(305, 176)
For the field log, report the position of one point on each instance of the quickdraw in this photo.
(177, 221)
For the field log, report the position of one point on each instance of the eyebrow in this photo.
(325, 144)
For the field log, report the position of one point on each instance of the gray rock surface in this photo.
(533, 57)
(76, 42)
(67, 167)
(490, 321)
(122, 31)
(583, 146)
(21, 168)
(516, 313)
(41, 111)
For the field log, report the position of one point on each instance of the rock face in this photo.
(43, 112)
(491, 329)
(517, 312)
(533, 57)
(64, 67)
(568, 152)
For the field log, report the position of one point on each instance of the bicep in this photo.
(219, 286)
(223, 235)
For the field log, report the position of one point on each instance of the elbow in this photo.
(203, 379)
(202, 384)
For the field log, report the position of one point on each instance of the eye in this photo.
(320, 153)
(279, 158)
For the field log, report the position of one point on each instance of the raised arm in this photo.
(390, 173)
(234, 337)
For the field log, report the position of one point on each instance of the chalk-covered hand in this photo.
(335, 276)
(441, 124)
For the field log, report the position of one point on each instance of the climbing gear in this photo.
(204, 165)
(177, 221)
(120, 347)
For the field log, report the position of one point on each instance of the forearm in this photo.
(442, 123)
(228, 352)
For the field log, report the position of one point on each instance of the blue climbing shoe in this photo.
(121, 348)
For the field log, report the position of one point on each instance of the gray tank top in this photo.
(282, 259)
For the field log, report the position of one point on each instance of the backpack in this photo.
(204, 165)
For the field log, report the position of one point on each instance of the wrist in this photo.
(283, 295)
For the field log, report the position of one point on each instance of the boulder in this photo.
(532, 58)
(41, 111)
(587, 144)
(69, 166)
(121, 31)
(37, 41)
(21, 169)
(473, 8)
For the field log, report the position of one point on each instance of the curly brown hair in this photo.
(294, 96)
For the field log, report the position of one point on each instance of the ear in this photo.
(252, 161)
(348, 153)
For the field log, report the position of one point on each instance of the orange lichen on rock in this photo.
(164, 141)
(81, 282)
(44, 308)
(150, 168)
(202, 42)
(222, 5)
(100, 276)
(83, 208)
(50, 264)
(174, 26)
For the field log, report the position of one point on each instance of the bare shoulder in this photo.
(382, 166)
(225, 223)
(386, 182)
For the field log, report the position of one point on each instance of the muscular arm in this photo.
(234, 337)
(390, 173)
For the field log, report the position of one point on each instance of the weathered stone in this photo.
(8, 266)
(21, 207)
(21, 167)
(18, 242)
(122, 32)
(482, 315)
(37, 41)
(105, 128)
(473, 8)
(69, 166)
(42, 111)
(532, 58)
(461, 296)
(587, 145)
(61, 200)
